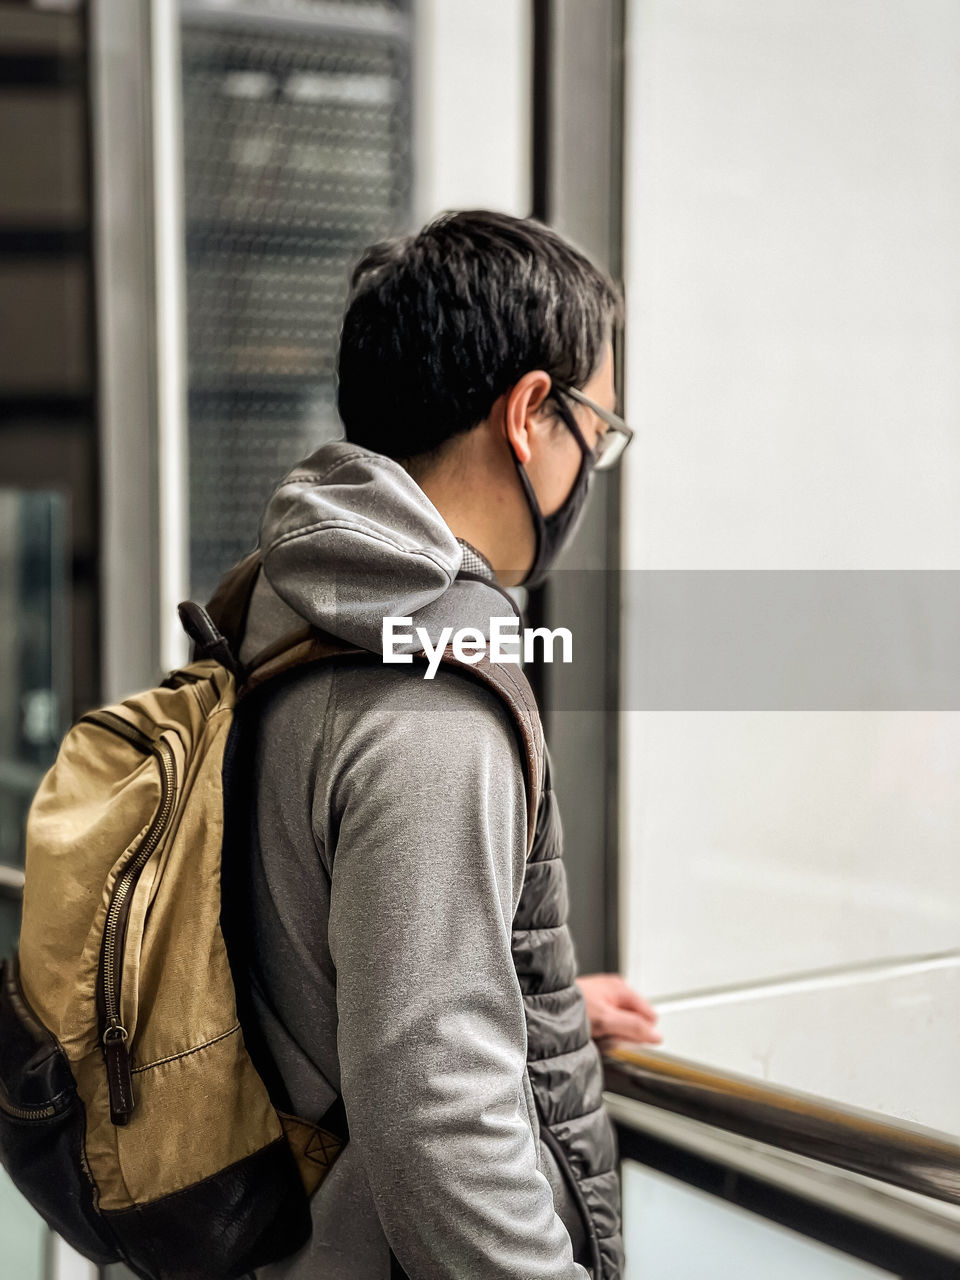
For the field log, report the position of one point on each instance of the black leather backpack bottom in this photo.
(251, 1213)
(255, 1211)
(42, 1125)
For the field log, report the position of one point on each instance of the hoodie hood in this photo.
(347, 539)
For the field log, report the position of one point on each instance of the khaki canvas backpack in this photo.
(132, 1115)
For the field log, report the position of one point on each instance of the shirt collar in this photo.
(475, 563)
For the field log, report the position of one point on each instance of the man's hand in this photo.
(617, 1012)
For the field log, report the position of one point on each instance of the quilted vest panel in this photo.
(563, 1062)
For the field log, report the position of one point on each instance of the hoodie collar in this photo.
(349, 538)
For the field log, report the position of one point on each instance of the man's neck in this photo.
(475, 489)
(469, 527)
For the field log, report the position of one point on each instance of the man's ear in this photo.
(521, 404)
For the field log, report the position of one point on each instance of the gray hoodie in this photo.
(387, 854)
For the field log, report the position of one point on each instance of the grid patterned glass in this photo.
(297, 149)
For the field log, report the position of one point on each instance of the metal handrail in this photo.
(897, 1152)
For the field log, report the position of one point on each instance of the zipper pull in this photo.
(119, 1074)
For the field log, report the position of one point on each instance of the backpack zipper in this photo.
(27, 1018)
(38, 1112)
(114, 1035)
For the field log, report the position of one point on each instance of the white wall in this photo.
(792, 206)
(793, 287)
(472, 105)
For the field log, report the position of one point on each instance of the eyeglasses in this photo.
(610, 446)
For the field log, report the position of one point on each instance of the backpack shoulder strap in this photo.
(218, 628)
(508, 682)
(230, 603)
(513, 688)
(299, 649)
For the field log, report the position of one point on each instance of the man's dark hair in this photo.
(440, 324)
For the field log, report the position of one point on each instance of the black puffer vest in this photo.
(563, 1061)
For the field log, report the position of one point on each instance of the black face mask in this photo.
(554, 532)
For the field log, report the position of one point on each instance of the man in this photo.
(409, 951)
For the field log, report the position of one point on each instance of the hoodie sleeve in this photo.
(424, 814)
